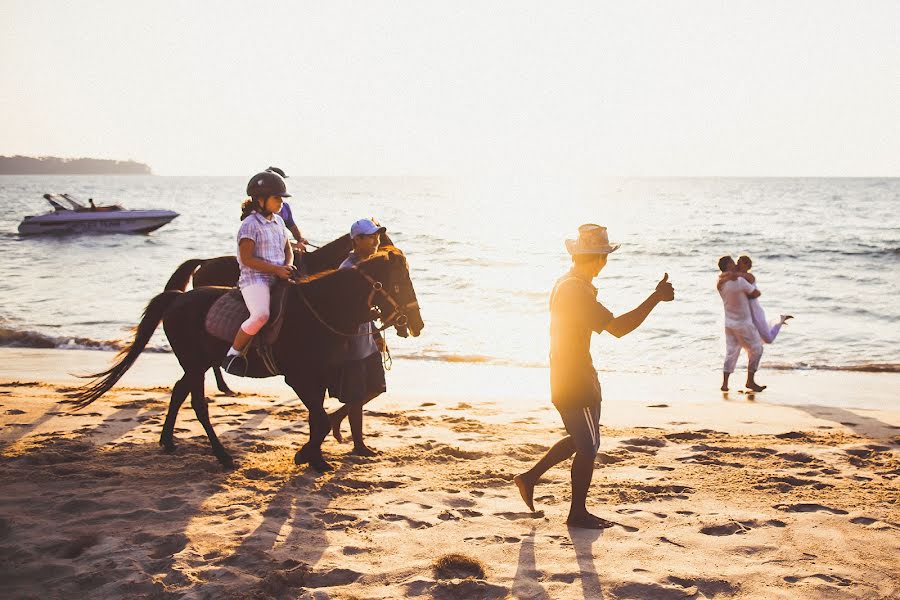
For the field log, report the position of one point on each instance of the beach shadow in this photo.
(525, 582)
(101, 522)
(860, 424)
(13, 432)
(583, 541)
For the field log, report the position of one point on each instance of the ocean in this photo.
(484, 255)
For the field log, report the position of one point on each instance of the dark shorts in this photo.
(357, 381)
(583, 425)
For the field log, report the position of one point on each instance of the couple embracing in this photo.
(745, 321)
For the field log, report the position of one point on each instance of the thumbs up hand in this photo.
(664, 290)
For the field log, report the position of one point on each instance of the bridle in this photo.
(396, 318)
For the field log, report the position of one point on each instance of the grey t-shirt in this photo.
(361, 346)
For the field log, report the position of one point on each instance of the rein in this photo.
(377, 287)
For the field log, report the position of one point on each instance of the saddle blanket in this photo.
(225, 317)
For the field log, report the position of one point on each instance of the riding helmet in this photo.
(265, 184)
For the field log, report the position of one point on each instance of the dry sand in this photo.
(711, 497)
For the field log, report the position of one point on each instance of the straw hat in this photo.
(592, 239)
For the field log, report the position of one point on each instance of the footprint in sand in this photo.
(707, 587)
(75, 547)
(806, 507)
(515, 516)
(739, 527)
(819, 577)
(785, 484)
(167, 546)
(413, 523)
(874, 523)
(169, 503)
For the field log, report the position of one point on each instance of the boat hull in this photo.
(125, 221)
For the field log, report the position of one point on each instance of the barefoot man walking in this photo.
(574, 387)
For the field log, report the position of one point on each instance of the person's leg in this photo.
(586, 447)
(355, 414)
(759, 321)
(755, 353)
(732, 351)
(337, 418)
(559, 452)
(256, 297)
(751, 342)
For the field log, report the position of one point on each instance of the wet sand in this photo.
(710, 496)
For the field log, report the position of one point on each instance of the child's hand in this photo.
(283, 271)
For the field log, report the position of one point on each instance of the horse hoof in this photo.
(168, 447)
(302, 456)
(226, 461)
(320, 465)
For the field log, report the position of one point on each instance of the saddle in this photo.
(228, 312)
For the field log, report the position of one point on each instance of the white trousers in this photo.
(743, 336)
(256, 297)
(767, 331)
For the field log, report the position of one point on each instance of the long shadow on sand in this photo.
(583, 540)
(526, 582)
(862, 425)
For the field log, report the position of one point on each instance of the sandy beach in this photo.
(789, 494)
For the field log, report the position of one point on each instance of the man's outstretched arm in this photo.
(625, 324)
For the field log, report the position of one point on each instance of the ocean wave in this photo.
(474, 359)
(14, 338)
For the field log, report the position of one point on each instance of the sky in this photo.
(694, 88)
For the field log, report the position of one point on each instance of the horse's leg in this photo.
(179, 393)
(313, 397)
(220, 382)
(201, 409)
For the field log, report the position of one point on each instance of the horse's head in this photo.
(394, 295)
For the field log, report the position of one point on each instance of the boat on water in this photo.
(81, 218)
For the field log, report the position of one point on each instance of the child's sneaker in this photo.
(235, 364)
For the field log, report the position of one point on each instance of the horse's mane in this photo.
(384, 252)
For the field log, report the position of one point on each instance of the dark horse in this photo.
(224, 271)
(320, 313)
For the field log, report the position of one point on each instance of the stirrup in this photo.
(235, 364)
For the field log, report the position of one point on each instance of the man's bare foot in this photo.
(363, 451)
(755, 387)
(784, 318)
(336, 428)
(526, 490)
(587, 521)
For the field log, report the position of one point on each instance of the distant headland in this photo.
(51, 165)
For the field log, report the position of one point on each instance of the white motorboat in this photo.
(93, 219)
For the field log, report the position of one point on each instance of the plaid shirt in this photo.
(270, 238)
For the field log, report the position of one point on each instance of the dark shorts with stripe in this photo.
(356, 381)
(583, 425)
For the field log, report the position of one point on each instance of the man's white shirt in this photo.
(737, 305)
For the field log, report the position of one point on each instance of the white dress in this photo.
(767, 331)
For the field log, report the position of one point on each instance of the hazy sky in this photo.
(368, 88)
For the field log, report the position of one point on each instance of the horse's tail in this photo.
(183, 274)
(104, 381)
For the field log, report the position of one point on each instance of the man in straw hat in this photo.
(574, 387)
